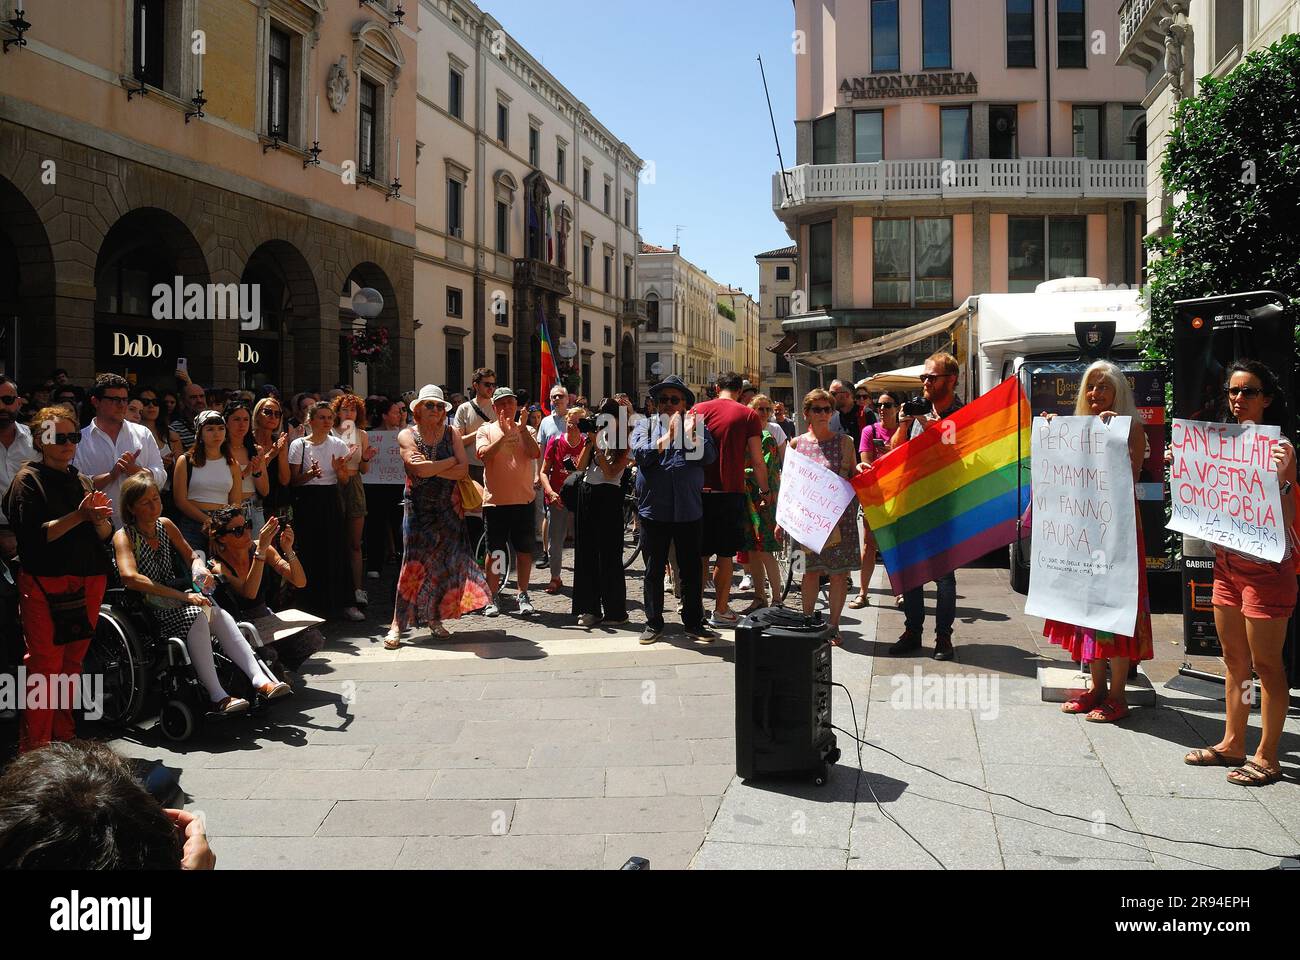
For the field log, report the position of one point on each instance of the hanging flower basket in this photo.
(369, 347)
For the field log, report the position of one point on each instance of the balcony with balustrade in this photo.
(1141, 38)
(807, 188)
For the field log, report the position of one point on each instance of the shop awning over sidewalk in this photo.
(881, 346)
(909, 378)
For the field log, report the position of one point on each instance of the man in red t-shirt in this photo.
(738, 432)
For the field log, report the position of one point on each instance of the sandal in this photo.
(438, 632)
(1209, 757)
(836, 639)
(1108, 712)
(1084, 704)
(393, 641)
(554, 586)
(759, 603)
(859, 602)
(1253, 774)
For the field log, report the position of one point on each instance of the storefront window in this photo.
(892, 263)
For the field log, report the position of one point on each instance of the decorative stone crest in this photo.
(338, 84)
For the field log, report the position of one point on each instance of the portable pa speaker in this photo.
(783, 697)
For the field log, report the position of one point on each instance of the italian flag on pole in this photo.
(550, 373)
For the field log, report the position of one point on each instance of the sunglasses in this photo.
(864, 396)
(931, 377)
(148, 402)
(113, 398)
(73, 438)
(672, 401)
(234, 531)
(1249, 393)
(885, 406)
(272, 413)
(819, 409)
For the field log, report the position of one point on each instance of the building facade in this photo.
(1177, 43)
(159, 199)
(528, 211)
(948, 149)
(777, 280)
(745, 344)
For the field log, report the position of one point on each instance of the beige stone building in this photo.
(945, 149)
(744, 354)
(156, 147)
(528, 208)
(778, 271)
(1176, 43)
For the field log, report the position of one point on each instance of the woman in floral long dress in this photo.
(842, 554)
(439, 579)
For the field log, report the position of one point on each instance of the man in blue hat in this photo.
(672, 450)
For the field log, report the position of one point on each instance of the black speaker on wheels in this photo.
(783, 697)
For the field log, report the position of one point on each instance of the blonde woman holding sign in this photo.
(1253, 601)
(1105, 393)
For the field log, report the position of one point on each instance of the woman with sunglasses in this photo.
(1253, 602)
(252, 575)
(318, 470)
(249, 458)
(155, 561)
(268, 435)
(840, 556)
(874, 444)
(61, 524)
(152, 417)
(206, 479)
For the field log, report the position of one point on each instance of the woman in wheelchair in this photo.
(154, 560)
(252, 574)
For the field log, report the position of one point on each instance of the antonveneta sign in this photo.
(899, 85)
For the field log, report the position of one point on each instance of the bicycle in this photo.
(631, 530)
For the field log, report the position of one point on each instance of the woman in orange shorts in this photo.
(1253, 600)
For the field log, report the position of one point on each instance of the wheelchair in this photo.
(143, 671)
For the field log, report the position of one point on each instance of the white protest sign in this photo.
(387, 467)
(1225, 489)
(812, 500)
(1084, 566)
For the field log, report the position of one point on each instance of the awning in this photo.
(909, 378)
(892, 343)
(784, 345)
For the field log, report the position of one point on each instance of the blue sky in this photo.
(679, 83)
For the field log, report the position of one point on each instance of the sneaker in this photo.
(543, 562)
(362, 598)
(526, 608)
(725, 619)
(703, 634)
(274, 691)
(943, 649)
(909, 642)
(231, 705)
(491, 611)
(353, 614)
(650, 635)
(588, 620)
(746, 583)
(372, 574)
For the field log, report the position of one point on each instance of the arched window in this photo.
(652, 313)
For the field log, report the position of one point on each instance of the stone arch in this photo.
(26, 287)
(291, 308)
(367, 273)
(145, 250)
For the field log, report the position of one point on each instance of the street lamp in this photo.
(367, 303)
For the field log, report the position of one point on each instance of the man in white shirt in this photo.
(15, 450)
(111, 448)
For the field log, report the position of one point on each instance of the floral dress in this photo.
(439, 579)
(762, 523)
(838, 457)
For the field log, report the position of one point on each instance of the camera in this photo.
(917, 408)
(588, 425)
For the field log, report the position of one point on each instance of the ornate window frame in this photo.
(379, 58)
(301, 19)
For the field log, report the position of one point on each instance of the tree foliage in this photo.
(1232, 168)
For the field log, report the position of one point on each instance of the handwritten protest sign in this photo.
(387, 467)
(1225, 489)
(1084, 566)
(812, 500)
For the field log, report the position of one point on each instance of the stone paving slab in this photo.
(503, 853)
(609, 815)
(727, 855)
(486, 755)
(1229, 823)
(418, 818)
(260, 818)
(537, 783)
(665, 851)
(308, 853)
(366, 784)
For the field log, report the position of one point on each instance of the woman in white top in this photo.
(349, 410)
(318, 470)
(599, 587)
(251, 460)
(205, 480)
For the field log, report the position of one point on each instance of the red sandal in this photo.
(1108, 712)
(1084, 704)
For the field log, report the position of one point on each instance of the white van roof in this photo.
(1006, 319)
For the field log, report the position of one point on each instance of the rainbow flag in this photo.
(550, 374)
(952, 494)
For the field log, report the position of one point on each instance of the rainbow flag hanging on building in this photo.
(550, 373)
(951, 495)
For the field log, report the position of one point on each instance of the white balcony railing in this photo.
(1131, 15)
(926, 179)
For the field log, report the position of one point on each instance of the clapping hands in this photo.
(96, 507)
